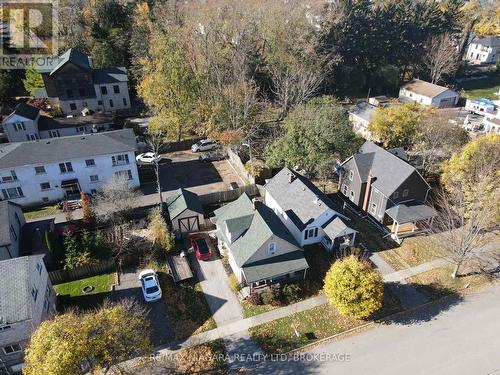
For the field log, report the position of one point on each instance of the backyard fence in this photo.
(61, 276)
(239, 167)
(228, 195)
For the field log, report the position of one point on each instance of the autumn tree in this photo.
(354, 288)
(89, 218)
(158, 229)
(440, 57)
(79, 343)
(397, 125)
(315, 135)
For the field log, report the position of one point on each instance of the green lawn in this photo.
(250, 310)
(186, 306)
(482, 88)
(38, 212)
(72, 295)
(312, 325)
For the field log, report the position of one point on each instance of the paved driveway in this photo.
(161, 330)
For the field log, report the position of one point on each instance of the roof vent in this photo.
(316, 201)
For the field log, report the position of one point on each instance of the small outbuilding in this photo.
(428, 94)
(185, 211)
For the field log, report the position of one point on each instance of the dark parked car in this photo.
(212, 156)
(201, 248)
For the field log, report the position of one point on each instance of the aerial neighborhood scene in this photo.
(257, 187)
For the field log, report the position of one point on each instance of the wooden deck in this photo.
(178, 267)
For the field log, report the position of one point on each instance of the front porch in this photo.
(409, 220)
(338, 235)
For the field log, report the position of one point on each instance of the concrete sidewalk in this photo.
(399, 276)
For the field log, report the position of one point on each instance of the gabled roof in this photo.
(54, 150)
(410, 212)
(5, 208)
(252, 227)
(336, 227)
(110, 75)
(278, 265)
(364, 110)
(24, 110)
(302, 201)
(488, 41)
(15, 291)
(75, 57)
(425, 88)
(389, 170)
(182, 200)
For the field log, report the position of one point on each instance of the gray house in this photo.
(26, 299)
(11, 225)
(260, 249)
(383, 184)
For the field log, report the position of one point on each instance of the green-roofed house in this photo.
(78, 85)
(260, 249)
(185, 211)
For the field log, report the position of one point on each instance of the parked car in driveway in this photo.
(148, 157)
(204, 145)
(150, 285)
(212, 156)
(201, 248)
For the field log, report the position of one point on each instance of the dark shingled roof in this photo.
(26, 111)
(110, 75)
(5, 207)
(182, 200)
(302, 201)
(275, 266)
(66, 148)
(336, 227)
(410, 212)
(489, 41)
(49, 123)
(389, 170)
(75, 57)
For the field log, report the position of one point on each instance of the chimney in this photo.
(316, 200)
(291, 177)
(254, 203)
(367, 192)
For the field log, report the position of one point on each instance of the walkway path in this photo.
(399, 276)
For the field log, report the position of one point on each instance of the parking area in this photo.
(183, 169)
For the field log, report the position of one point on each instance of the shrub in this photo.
(234, 284)
(254, 299)
(272, 296)
(291, 292)
(354, 288)
(159, 231)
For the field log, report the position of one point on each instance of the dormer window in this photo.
(18, 126)
(271, 248)
(395, 195)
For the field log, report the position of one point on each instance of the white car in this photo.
(204, 145)
(148, 157)
(150, 285)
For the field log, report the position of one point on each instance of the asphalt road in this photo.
(461, 337)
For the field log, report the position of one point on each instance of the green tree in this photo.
(102, 246)
(33, 81)
(6, 86)
(72, 344)
(398, 125)
(354, 288)
(315, 135)
(75, 253)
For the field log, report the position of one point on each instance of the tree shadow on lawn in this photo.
(437, 300)
(83, 303)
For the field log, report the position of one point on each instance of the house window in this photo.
(104, 90)
(344, 189)
(405, 192)
(39, 268)
(72, 106)
(111, 103)
(19, 126)
(395, 195)
(127, 174)
(66, 167)
(45, 199)
(271, 248)
(40, 170)
(351, 195)
(54, 133)
(310, 233)
(32, 137)
(80, 129)
(12, 193)
(90, 163)
(116, 89)
(124, 101)
(120, 159)
(34, 293)
(94, 178)
(351, 175)
(12, 177)
(374, 208)
(45, 185)
(13, 232)
(11, 349)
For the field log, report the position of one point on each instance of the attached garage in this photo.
(185, 212)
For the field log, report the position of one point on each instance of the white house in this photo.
(11, 225)
(26, 299)
(308, 214)
(483, 50)
(260, 249)
(78, 85)
(491, 123)
(428, 94)
(49, 170)
(26, 123)
(481, 106)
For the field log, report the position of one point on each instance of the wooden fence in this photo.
(61, 276)
(228, 195)
(239, 167)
